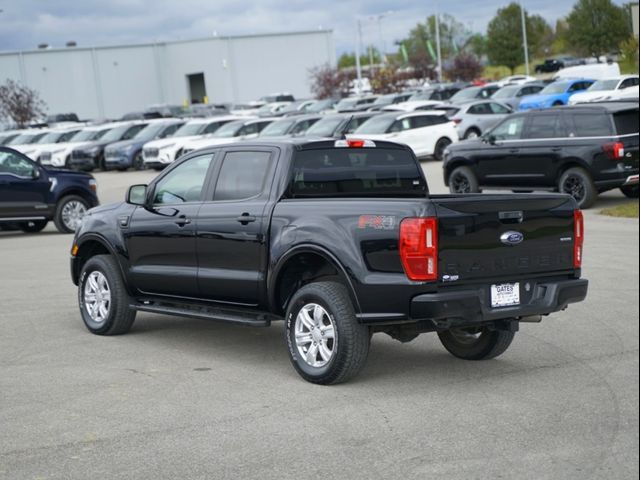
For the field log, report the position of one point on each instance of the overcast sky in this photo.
(26, 23)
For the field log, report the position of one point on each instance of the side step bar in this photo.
(248, 318)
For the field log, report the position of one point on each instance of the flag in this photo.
(431, 50)
(405, 54)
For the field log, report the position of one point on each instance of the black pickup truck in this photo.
(341, 239)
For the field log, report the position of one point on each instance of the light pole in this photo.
(524, 39)
(358, 66)
(438, 46)
(383, 48)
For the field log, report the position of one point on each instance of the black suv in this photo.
(31, 195)
(581, 150)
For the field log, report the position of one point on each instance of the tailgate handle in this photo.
(510, 217)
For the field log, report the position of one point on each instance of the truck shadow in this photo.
(263, 350)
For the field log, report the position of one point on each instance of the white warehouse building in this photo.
(106, 82)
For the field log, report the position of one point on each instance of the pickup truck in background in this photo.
(341, 239)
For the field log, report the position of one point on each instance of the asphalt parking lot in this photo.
(180, 398)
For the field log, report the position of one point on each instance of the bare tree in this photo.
(328, 82)
(20, 103)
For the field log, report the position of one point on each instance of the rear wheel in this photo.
(476, 343)
(33, 226)
(463, 180)
(557, 104)
(69, 213)
(138, 162)
(326, 343)
(630, 191)
(578, 183)
(471, 134)
(103, 299)
(441, 145)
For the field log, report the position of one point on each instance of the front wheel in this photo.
(69, 213)
(33, 226)
(326, 343)
(441, 146)
(471, 134)
(104, 302)
(138, 162)
(463, 180)
(578, 183)
(630, 191)
(476, 343)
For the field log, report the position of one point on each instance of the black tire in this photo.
(557, 104)
(463, 180)
(33, 226)
(471, 133)
(630, 191)
(441, 145)
(120, 317)
(62, 225)
(350, 345)
(578, 183)
(138, 161)
(476, 343)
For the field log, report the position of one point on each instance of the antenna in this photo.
(342, 133)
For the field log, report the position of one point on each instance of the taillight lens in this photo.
(419, 248)
(614, 150)
(578, 238)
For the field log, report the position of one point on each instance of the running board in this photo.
(248, 318)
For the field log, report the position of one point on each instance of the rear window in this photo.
(591, 125)
(351, 172)
(626, 122)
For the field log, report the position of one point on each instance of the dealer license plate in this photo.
(505, 295)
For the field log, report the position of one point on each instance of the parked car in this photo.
(427, 133)
(157, 154)
(166, 110)
(236, 131)
(512, 94)
(608, 89)
(27, 137)
(323, 106)
(338, 125)
(413, 105)
(437, 93)
(554, 64)
(290, 126)
(8, 135)
(555, 94)
(128, 153)
(59, 155)
(47, 142)
(32, 195)
(474, 93)
(337, 238)
(283, 97)
(272, 109)
(355, 104)
(597, 71)
(581, 150)
(474, 118)
(389, 99)
(62, 118)
(90, 155)
(299, 107)
(515, 80)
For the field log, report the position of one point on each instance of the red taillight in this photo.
(578, 238)
(457, 121)
(355, 143)
(614, 150)
(419, 248)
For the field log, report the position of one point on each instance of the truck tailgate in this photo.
(493, 237)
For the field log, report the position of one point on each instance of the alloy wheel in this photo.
(315, 335)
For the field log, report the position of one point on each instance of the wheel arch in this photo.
(75, 191)
(453, 164)
(90, 246)
(300, 266)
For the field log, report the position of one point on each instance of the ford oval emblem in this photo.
(511, 238)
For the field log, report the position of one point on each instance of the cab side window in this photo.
(184, 183)
(242, 175)
(13, 164)
(545, 126)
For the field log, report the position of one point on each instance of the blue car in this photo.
(128, 153)
(555, 94)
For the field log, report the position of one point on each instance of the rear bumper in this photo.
(631, 180)
(464, 307)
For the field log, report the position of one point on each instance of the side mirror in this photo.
(137, 195)
(491, 139)
(35, 174)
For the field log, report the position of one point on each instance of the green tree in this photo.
(504, 36)
(597, 27)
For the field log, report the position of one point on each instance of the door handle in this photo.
(514, 150)
(556, 149)
(246, 218)
(182, 221)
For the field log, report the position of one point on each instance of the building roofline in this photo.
(165, 42)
